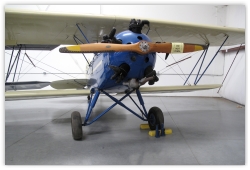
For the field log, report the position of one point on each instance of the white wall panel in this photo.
(234, 87)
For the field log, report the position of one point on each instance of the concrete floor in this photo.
(206, 131)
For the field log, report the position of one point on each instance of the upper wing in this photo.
(50, 28)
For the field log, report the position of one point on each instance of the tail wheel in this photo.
(155, 116)
(76, 125)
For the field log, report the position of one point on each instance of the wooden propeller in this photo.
(141, 47)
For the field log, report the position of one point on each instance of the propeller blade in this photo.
(142, 47)
(97, 47)
(176, 47)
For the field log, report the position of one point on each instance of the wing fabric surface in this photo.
(70, 84)
(25, 85)
(85, 92)
(173, 89)
(51, 28)
(45, 93)
(59, 84)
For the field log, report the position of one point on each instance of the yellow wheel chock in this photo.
(153, 132)
(167, 132)
(144, 127)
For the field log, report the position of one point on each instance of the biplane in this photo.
(123, 60)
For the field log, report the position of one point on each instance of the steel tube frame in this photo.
(136, 104)
(119, 102)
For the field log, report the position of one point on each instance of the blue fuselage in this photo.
(101, 73)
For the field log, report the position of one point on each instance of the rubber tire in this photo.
(76, 125)
(155, 116)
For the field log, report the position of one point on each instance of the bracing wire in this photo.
(48, 66)
(171, 68)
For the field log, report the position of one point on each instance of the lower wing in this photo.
(45, 93)
(25, 85)
(85, 92)
(173, 89)
(60, 85)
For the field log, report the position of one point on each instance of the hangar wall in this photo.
(234, 86)
(52, 62)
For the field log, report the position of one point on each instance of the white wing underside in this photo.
(50, 28)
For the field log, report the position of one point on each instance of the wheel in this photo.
(76, 125)
(155, 116)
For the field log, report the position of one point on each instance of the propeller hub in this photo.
(144, 46)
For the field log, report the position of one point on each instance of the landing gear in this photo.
(155, 118)
(76, 125)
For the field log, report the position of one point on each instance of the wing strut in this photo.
(82, 33)
(75, 37)
(19, 53)
(82, 43)
(195, 66)
(10, 63)
(201, 65)
(196, 81)
(16, 58)
(229, 68)
(29, 58)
